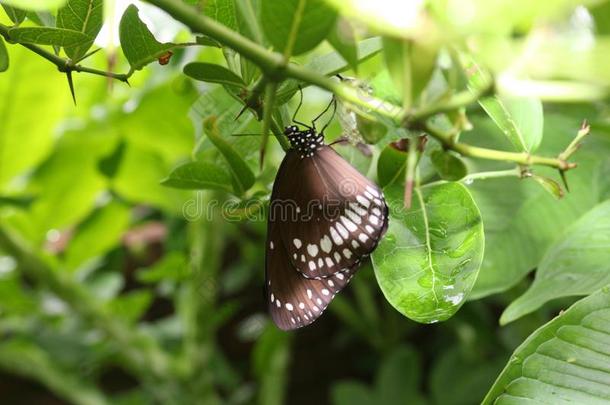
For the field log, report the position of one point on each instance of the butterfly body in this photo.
(324, 219)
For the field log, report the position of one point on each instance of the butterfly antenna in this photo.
(333, 103)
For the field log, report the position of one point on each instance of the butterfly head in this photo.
(304, 142)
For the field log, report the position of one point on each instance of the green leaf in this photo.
(565, 361)
(243, 177)
(35, 4)
(222, 11)
(48, 36)
(343, 39)
(138, 43)
(305, 22)
(521, 218)
(98, 234)
(199, 176)
(448, 166)
(519, 118)
(213, 73)
(578, 263)
(86, 16)
(16, 15)
(430, 256)
(4, 60)
(550, 185)
(26, 141)
(391, 165)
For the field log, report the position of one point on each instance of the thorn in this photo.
(71, 84)
(564, 180)
(239, 114)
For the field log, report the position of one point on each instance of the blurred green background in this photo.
(117, 289)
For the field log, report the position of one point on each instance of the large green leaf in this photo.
(25, 141)
(86, 16)
(521, 218)
(430, 256)
(48, 36)
(199, 176)
(576, 264)
(565, 361)
(138, 43)
(519, 118)
(36, 4)
(305, 22)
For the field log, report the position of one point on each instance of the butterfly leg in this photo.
(294, 116)
(333, 103)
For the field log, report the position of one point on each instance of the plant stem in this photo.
(521, 158)
(277, 68)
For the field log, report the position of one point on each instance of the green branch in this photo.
(521, 158)
(277, 68)
(63, 64)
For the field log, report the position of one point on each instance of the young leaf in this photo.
(343, 39)
(296, 26)
(48, 36)
(16, 15)
(565, 361)
(199, 175)
(213, 73)
(429, 259)
(243, 178)
(578, 263)
(35, 4)
(550, 185)
(519, 118)
(86, 16)
(4, 61)
(138, 43)
(448, 166)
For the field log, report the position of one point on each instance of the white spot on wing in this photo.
(312, 250)
(326, 244)
(349, 224)
(297, 243)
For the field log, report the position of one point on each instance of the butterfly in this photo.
(325, 218)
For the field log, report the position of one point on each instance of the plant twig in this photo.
(64, 65)
(521, 158)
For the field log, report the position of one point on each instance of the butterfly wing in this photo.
(295, 301)
(332, 216)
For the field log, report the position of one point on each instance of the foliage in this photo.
(132, 224)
